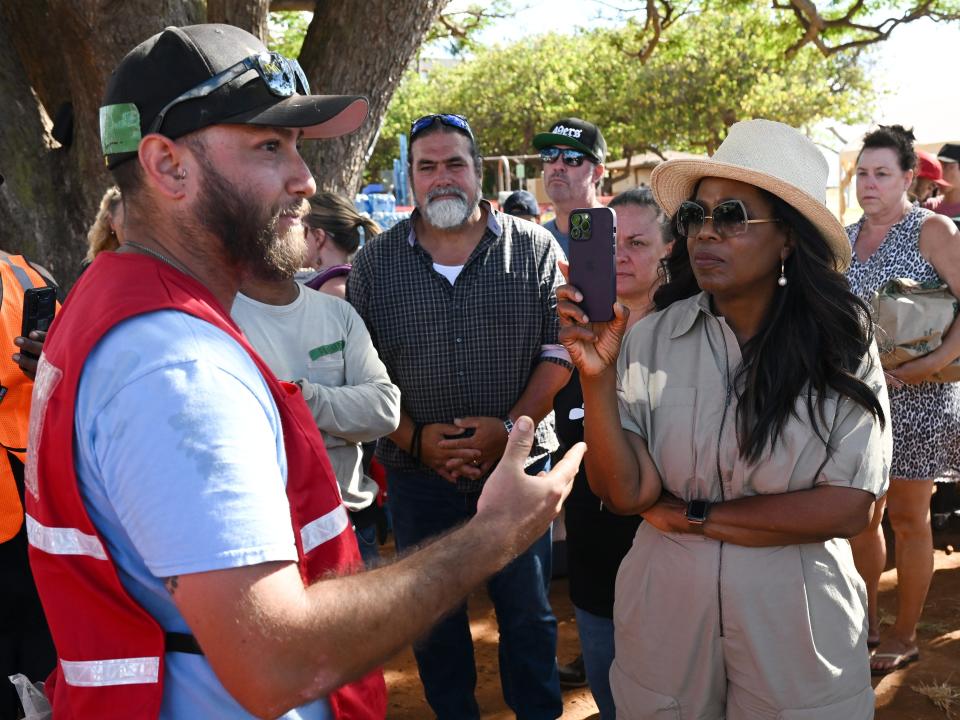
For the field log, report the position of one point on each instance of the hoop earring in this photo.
(782, 280)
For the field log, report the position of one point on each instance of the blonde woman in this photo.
(106, 233)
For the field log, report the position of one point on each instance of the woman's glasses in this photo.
(729, 218)
(454, 121)
(279, 74)
(570, 157)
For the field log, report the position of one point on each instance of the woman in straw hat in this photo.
(897, 239)
(746, 421)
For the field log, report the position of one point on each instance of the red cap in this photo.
(929, 167)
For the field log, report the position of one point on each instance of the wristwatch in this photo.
(697, 511)
(508, 424)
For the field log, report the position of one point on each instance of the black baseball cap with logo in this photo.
(949, 152)
(184, 79)
(576, 133)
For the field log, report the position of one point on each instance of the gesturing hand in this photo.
(593, 346)
(522, 506)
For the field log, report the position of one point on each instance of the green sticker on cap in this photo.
(119, 128)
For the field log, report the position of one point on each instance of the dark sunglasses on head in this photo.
(570, 157)
(278, 73)
(729, 218)
(455, 121)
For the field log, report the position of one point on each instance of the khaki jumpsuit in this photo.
(710, 630)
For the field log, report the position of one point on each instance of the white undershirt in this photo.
(450, 272)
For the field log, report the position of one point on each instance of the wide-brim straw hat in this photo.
(771, 156)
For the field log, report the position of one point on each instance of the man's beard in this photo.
(449, 212)
(250, 233)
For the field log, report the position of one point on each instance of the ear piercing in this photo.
(182, 174)
(782, 280)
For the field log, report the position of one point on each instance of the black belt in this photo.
(182, 643)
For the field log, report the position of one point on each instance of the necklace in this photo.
(160, 256)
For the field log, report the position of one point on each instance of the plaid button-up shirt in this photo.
(466, 349)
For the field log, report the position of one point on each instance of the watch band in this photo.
(508, 424)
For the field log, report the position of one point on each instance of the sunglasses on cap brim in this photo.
(280, 75)
(729, 218)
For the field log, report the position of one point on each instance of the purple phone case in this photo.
(593, 261)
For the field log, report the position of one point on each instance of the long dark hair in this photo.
(815, 336)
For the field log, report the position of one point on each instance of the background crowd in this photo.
(745, 439)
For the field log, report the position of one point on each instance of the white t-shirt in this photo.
(180, 463)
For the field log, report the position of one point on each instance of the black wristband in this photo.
(415, 441)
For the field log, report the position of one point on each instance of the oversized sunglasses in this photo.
(278, 73)
(729, 218)
(455, 121)
(571, 158)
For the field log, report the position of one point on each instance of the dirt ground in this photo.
(908, 694)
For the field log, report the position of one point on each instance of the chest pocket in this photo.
(327, 370)
(673, 445)
(798, 455)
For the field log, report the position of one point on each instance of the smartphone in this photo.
(39, 306)
(593, 250)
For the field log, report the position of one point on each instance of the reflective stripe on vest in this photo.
(121, 671)
(324, 528)
(24, 279)
(64, 541)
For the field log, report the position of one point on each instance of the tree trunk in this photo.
(370, 46)
(248, 14)
(55, 53)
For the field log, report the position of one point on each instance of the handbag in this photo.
(911, 319)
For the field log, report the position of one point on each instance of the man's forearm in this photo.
(358, 413)
(546, 380)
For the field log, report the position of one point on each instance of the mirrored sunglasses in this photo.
(455, 121)
(280, 75)
(570, 157)
(729, 218)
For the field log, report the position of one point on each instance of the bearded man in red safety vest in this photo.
(188, 539)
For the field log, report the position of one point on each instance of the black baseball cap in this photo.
(949, 152)
(575, 133)
(521, 202)
(178, 60)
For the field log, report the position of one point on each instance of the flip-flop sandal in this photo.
(900, 660)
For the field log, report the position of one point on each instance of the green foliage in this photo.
(287, 29)
(710, 69)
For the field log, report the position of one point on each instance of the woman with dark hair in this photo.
(896, 239)
(745, 420)
(335, 231)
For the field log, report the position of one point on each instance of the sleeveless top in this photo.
(925, 417)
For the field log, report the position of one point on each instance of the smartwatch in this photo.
(508, 425)
(697, 511)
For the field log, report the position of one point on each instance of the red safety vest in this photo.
(111, 651)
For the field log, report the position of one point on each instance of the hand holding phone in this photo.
(593, 249)
(39, 307)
